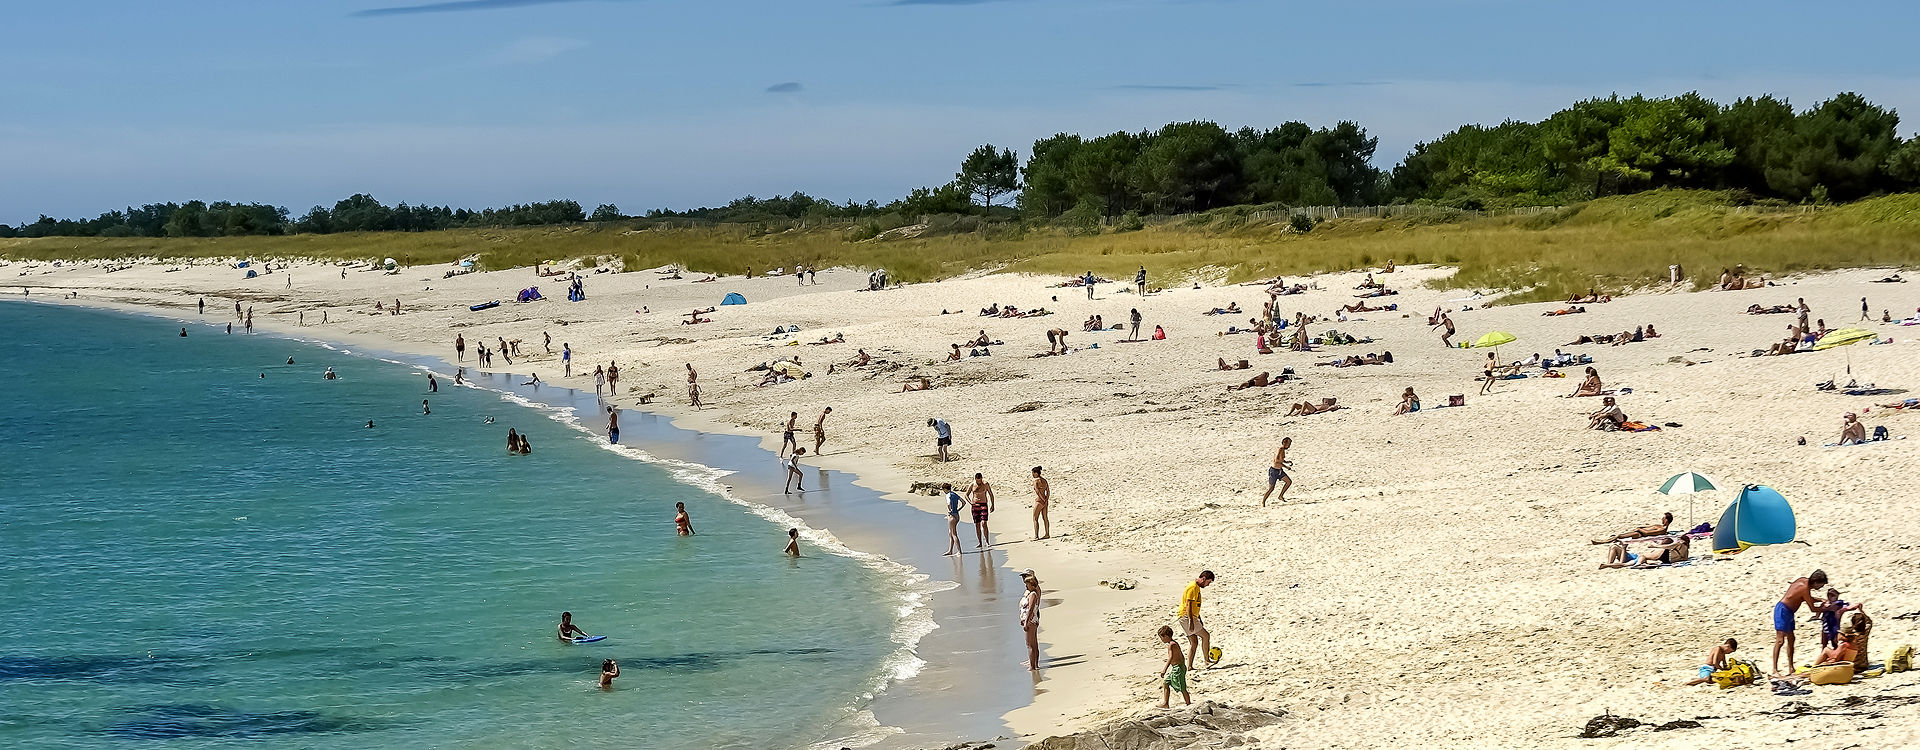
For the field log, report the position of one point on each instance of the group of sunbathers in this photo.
(1801, 336)
(1355, 360)
(1668, 549)
(1735, 278)
(1635, 336)
(997, 310)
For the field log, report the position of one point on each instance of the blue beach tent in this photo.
(734, 298)
(1758, 516)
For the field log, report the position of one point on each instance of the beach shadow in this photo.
(1063, 661)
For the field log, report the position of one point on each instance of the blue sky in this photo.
(648, 103)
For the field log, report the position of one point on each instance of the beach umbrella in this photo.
(1844, 337)
(1689, 484)
(1495, 338)
(1759, 516)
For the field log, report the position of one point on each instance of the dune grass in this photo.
(1614, 244)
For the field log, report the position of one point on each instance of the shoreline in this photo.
(1444, 551)
(668, 439)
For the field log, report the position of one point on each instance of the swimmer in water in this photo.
(609, 669)
(526, 448)
(329, 374)
(183, 333)
(569, 631)
(369, 422)
(681, 520)
(424, 409)
(460, 376)
(488, 420)
(289, 360)
(793, 543)
(534, 381)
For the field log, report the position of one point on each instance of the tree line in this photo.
(1844, 148)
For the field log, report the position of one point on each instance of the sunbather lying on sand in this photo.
(1381, 292)
(1240, 365)
(1362, 307)
(1566, 311)
(1232, 308)
(1655, 529)
(917, 384)
(1308, 407)
(838, 338)
(1258, 381)
(1598, 338)
(1355, 360)
(1666, 551)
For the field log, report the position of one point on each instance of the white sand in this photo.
(1428, 580)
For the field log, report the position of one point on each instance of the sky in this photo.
(651, 103)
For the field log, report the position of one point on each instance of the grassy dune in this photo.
(1615, 244)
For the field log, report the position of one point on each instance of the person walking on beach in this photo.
(1277, 472)
(613, 378)
(1087, 281)
(943, 437)
(795, 479)
(682, 523)
(820, 430)
(954, 504)
(566, 359)
(1041, 495)
(786, 438)
(693, 387)
(613, 425)
(599, 381)
(1173, 672)
(793, 543)
(1864, 315)
(1140, 280)
(1187, 618)
(546, 342)
(203, 305)
(1486, 374)
(1134, 319)
(980, 493)
(1784, 611)
(1446, 337)
(1030, 618)
(433, 386)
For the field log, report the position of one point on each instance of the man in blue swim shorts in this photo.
(1277, 472)
(1798, 592)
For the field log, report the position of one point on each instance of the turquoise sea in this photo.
(204, 546)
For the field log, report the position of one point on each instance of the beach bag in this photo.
(1902, 658)
(1736, 674)
(1879, 432)
(1460, 400)
(1831, 674)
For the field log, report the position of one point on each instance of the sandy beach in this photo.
(1428, 579)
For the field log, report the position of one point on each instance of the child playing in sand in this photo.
(1716, 661)
(1173, 673)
